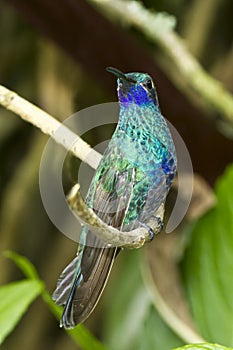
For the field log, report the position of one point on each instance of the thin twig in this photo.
(159, 28)
(183, 330)
(70, 141)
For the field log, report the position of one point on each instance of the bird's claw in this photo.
(159, 223)
(150, 231)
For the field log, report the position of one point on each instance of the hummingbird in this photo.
(130, 184)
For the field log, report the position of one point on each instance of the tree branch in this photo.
(50, 126)
(108, 234)
(159, 28)
(70, 141)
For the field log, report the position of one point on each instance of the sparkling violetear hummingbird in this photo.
(129, 185)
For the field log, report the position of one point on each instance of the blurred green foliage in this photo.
(204, 346)
(15, 300)
(131, 322)
(17, 297)
(208, 267)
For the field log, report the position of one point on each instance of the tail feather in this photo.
(80, 285)
(67, 319)
(65, 281)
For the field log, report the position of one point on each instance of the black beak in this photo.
(116, 72)
(119, 74)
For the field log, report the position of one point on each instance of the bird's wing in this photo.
(110, 202)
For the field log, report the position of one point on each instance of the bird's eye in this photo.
(148, 84)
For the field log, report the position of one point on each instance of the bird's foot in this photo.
(149, 229)
(159, 223)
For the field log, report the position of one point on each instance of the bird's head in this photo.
(135, 88)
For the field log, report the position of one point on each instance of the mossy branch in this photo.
(108, 234)
(70, 141)
(160, 29)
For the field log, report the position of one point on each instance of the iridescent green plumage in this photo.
(130, 184)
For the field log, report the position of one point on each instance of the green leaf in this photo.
(23, 264)
(14, 301)
(85, 339)
(131, 321)
(204, 346)
(81, 335)
(129, 304)
(208, 267)
(156, 335)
